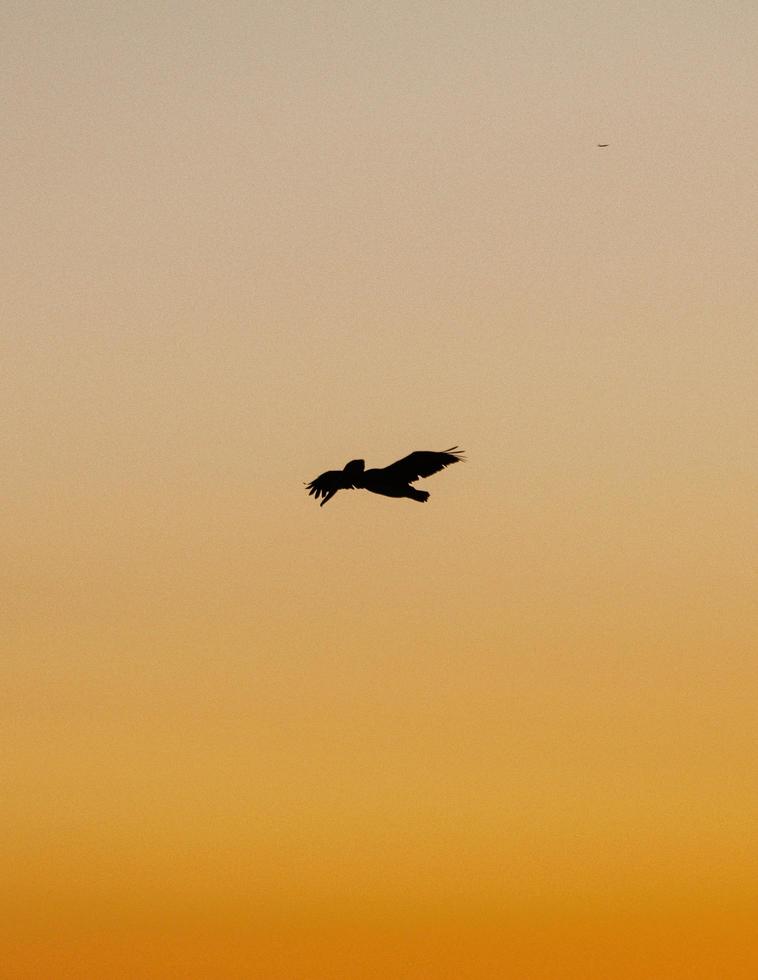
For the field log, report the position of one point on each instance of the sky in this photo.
(509, 733)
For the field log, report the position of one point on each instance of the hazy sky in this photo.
(510, 733)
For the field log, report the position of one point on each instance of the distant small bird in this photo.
(392, 481)
(603, 144)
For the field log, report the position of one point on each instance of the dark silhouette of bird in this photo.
(603, 144)
(392, 481)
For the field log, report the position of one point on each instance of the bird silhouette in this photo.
(603, 144)
(391, 481)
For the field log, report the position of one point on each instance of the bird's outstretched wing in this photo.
(327, 485)
(421, 464)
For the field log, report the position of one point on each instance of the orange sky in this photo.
(510, 733)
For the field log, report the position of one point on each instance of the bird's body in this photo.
(390, 481)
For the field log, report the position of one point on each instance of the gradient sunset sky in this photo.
(510, 733)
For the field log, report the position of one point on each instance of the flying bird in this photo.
(391, 481)
(603, 144)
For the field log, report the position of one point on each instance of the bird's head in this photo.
(354, 469)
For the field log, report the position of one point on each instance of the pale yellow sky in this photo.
(510, 733)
